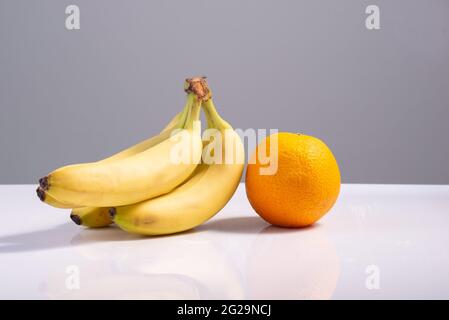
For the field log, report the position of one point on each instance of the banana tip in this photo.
(76, 218)
(112, 212)
(40, 193)
(43, 183)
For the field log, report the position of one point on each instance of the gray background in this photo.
(378, 98)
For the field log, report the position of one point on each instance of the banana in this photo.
(48, 199)
(147, 174)
(91, 217)
(199, 198)
(174, 123)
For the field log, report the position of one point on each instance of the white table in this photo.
(379, 241)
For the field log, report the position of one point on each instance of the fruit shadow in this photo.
(67, 234)
(269, 230)
(243, 225)
(36, 240)
(63, 235)
(248, 225)
(114, 234)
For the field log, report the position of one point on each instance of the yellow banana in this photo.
(48, 199)
(199, 198)
(176, 122)
(142, 176)
(91, 217)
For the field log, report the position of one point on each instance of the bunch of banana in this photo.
(166, 184)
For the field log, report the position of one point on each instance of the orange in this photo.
(305, 185)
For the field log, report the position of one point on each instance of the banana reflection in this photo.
(292, 264)
(185, 266)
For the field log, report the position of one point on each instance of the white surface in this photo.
(400, 231)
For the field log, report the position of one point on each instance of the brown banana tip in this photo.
(199, 87)
(76, 218)
(112, 212)
(43, 183)
(40, 193)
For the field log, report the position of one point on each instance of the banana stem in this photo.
(186, 112)
(183, 116)
(214, 120)
(210, 122)
(199, 87)
(194, 111)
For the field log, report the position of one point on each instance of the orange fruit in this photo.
(305, 185)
